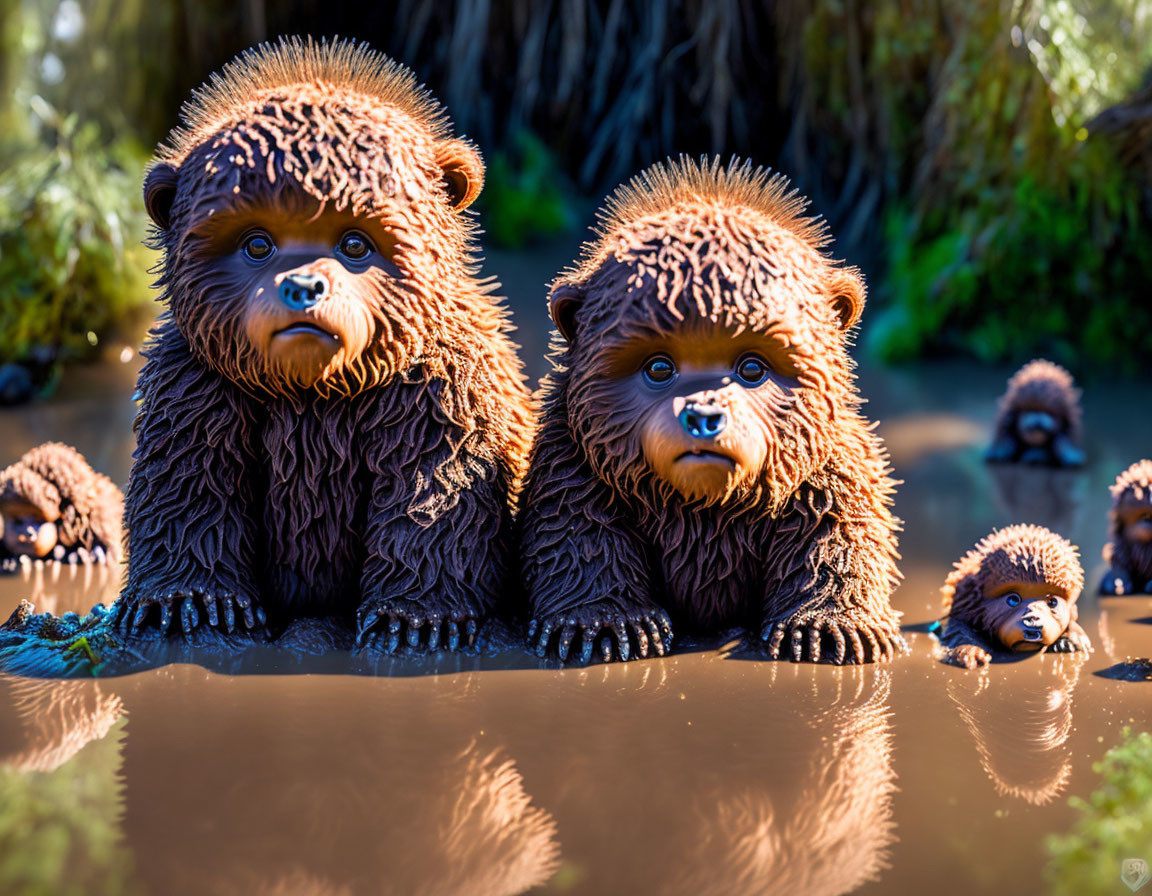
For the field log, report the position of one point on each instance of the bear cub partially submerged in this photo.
(701, 461)
(1128, 552)
(54, 506)
(1039, 419)
(1015, 591)
(333, 417)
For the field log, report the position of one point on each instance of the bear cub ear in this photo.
(159, 192)
(563, 303)
(463, 171)
(846, 293)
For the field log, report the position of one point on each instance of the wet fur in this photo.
(382, 492)
(1040, 386)
(1021, 553)
(87, 506)
(1129, 562)
(804, 554)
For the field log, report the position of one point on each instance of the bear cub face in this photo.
(27, 530)
(295, 220)
(699, 403)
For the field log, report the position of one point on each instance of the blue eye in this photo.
(751, 369)
(355, 245)
(1013, 599)
(258, 245)
(658, 370)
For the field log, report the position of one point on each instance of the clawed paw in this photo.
(968, 656)
(387, 627)
(622, 636)
(832, 640)
(189, 609)
(1072, 642)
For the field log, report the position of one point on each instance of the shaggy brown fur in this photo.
(1128, 552)
(782, 520)
(1039, 418)
(1015, 590)
(54, 505)
(334, 418)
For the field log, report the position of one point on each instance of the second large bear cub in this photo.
(333, 417)
(701, 461)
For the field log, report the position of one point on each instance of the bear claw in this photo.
(628, 637)
(851, 642)
(386, 629)
(132, 616)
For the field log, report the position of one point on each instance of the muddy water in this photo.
(711, 771)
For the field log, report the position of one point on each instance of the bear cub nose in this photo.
(300, 291)
(703, 421)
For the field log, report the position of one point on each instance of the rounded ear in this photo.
(463, 171)
(846, 292)
(159, 191)
(563, 304)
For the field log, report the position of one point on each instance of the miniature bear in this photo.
(1016, 590)
(1128, 552)
(701, 460)
(1039, 419)
(54, 506)
(334, 419)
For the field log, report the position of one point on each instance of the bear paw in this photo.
(833, 637)
(1072, 641)
(386, 624)
(967, 656)
(623, 635)
(192, 607)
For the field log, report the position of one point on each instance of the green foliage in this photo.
(71, 223)
(59, 829)
(1043, 269)
(1115, 823)
(1009, 231)
(524, 197)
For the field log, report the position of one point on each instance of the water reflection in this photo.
(785, 785)
(335, 785)
(60, 588)
(61, 789)
(1020, 728)
(1042, 496)
(1125, 637)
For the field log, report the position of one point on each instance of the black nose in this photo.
(303, 290)
(702, 421)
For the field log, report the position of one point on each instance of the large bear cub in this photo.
(333, 417)
(701, 461)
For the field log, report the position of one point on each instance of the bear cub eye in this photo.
(1013, 599)
(659, 370)
(751, 370)
(257, 245)
(354, 245)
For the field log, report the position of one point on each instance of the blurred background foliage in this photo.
(986, 161)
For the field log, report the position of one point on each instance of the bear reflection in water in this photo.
(233, 786)
(783, 786)
(1021, 731)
